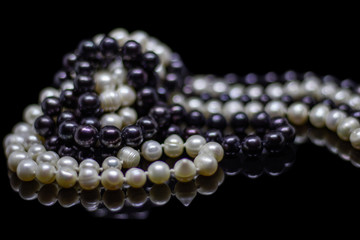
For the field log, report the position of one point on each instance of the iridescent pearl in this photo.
(231, 107)
(159, 172)
(252, 108)
(274, 90)
(129, 156)
(129, 116)
(111, 119)
(212, 107)
(194, 103)
(23, 128)
(104, 81)
(346, 127)
(275, 108)
(112, 179)
(254, 91)
(354, 102)
(236, 91)
(66, 177)
(31, 113)
(110, 100)
(67, 161)
(298, 113)
(13, 148)
(214, 149)
(111, 162)
(127, 94)
(200, 84)
(355, 138)
(318, 114)
(135, 177)
(120, 35)
(333, 118)
(47, 157)
(151, 150)
(173, 146)
(26, 170)
(48, 92)
(341, 96)
(90, 163)
(46, 173)
(206, 164)
(193, 145)
(88, 178)
(293, 89)
(15, 158)
(184, 170)
(35, 150)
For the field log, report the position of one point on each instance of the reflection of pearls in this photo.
(110, 100)
(355, 138)
(346, 127)
(298, 113)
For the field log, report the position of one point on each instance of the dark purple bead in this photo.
(173, 129)
(68, 99)
(178, 113)
(131, 54)
(84, 68)
(277, 122)
(59, 78)
(252, 145)
(69, 61)
(148, 125)
(147, 97)
(86, 136)
(161, 114)
(88, 103)
(348, 83)
(109, 47)
(44, 125)
(329, 103)
(231, 78)
(52, 143)
(288, 132)
(190, 131)
(260, 120)
(245, 98)
(214, 135)
(195, 118)
(150, 61)
(110, 137)
(67, 150)
(66, 130)
(264, 99)
(290, 76)
(308, 100)
(224, 97)
(231, 144)
(345, 108)
(86, 153)
(270, 77)
(163, 94)
(251, 79)
(177, 67)
(93, 121)
(66, 116)
(239, 121)
(274, 141)
(356, 115)
(153, 79)
(287, 99)
(172, 81)
(84, 84)
(205, 96)
(51, 106)
(217, 121)
(132, 136)
(87, 49)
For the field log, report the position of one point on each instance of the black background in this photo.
(320, 188)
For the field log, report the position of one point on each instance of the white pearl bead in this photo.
(328, 90)
(173, 146)
(67, 85)
(159, 172)
(275, 108)
(274, 90)
(161, 70)
(218, 87)
(206, 164)
(252, 108)
(333, 118)
(232, 107)
(26, 170)
(112, 179)
(129, 156)
(298, 113)
(355, 138)
(111, 162)
(30, 140)
(46, 173)
(163, 51)
(66, 177)
(88, 178)
(68, 162)
(194, 103)
(31, 113)
(13, 148)
(236, 91)
(23, 128)
(129, 116)
(293, 89)
(193, 145)
(311, 86)
(98, 38)
(111, 119)
(318, 114)
(354, 102)
(135, 177)
(15, 158)
(47, 157)
(48, 92)
(120, 35)
(254, 91)
(90, 163)
(346, 127)
(184, 170)
(214, 149)
(140, 37)
(103, 81)
(151, 150)
(13, 139)
(127, 94)
(341, 96)
(119, 76)
(212, 107)
(110, 100)
(200, 84)
(35, 150)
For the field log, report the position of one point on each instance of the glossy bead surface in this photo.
(193, 145)
(51, 106)
(214, 149)
(88, 178)
(298, 113)
(129, 115)
(213, 135)
(88, 103)
(129, 157)
(150, 61)
(253, 108)
(275, 108)
(135, 177)
(173, 146)
(35, 150)
(184, 170)
(26, 170)
(104, 81)
(151, 150)
(127, 95)
(52, 143)
(67, 129)
(111, 162)
(318, 114)
(93, 121)
(346, 127)
(84, 68)
(147, 97)
(47, 157)
(232, 107)
(206, 164)
(137, 78)
(31, 113)
(44, 125)
(111, 119)
(278, 122)
(110, 136)
(67, 161)
(158, 172)
(239, 121)
(46, 173)
(148, 125)
(260, 120)
(110, 100)
(83, 84)
(112, 179)
(355, 138)
(178, 113)
(109, 47)
(231, 144)
(252, 145)
(132, 135)
(288, 132)
(68, 99)
(274, 141)
(66, 177)
(66, 116)
(85, 136)
(216, 121)
(87, 49)
(195, 118)
(131, 53)
(161, 114)
(333, 118)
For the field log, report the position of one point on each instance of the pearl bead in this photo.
(212, 107)
(333, 118)
(354, 102)
(293, 89)
(112, 179)
(219, 87)
(66, 177)
(31, 113)
(129, 116)
(13, 148)
(103, 81)
(253, 108)
(47, 157)
(275, 108)
(23, 128)
(140, 37)
(111, 162)
(68, 162)
(35, 150)
(110, 100)
(127, 94)
(135, 177)
(200, 84)
(48, 92)
(89, 163)
(341, 96)
(254, 91)
(194, 103)
(184, 170)
(214, 149)
(151, 150)
(274, 90)
(46, 173)
(355, 138)
(232, 107)
(236, 91)
(298, 113)
(30, 140)
(67, 85)
(193, 145)
(88, 178)
(206, 164)
(311, 86)
(98, 38)
(15, 158)
(173, 146)
(178, 98)
(328, 90)
(13, 139)
(159, 172)
(111, 119)
(26, 170)
(120, 35)
(318, 114)
(346, 127)
(129, 156)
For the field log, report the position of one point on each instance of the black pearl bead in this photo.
(288, 132)
(231, 144)
(239, 121)
(245, 98)
(87, 49)
(195, 118)
(67, 150)
(84, 68)
(88, 103)
(66, 116)
(59, 78)
(328, 102)
(67, 129)
(69, 61)
(264, 99)
(252, 145)
(163, 94)
(44, 125)
(132, 136)
(213, 135)
(224, 97)
(161, 114)
(137, 78)
(51, 106)
(173, 129)
(356, 115)
(150, 61)
(110, 137)
(68, 99)
(84, 84)
(251, 78)
(52, 143)
(205, 96)
(85, 153)
(345, 108)
(308, 100)
(217, 121)
(86, 136)
(93, 121)
(177, 66)
(109, 47)
(178, 113)
(171, 81)
(131, 54)
(148, 125)
(277, 122)
(287, 99)
(271, 77)
(274, 141)
(147, 97)
(190, 131)
(260, 120)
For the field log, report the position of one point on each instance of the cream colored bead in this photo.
(26, 170)
(193, 145)
(298, 113)
(232, 107)
(254, 91)
(200, 84)
(158, 172)
(212, 107)
(31, 113)
(112, 179)
(46, 173)
(333, 118)
(311, 86)
(23, 128)
(252, 108)
(274, 90)
(90, 163)
(15, 158)
(328, 90)
(184, 170)
(135, 177)
(88, 178)
(67, 161)
(346, 127)
(66, 177)
(127, 95)
(236, 91)
(35, 150)
(103, 81)
(214, 149)
(194, 103)
(275, 108)
(47, 157)
(354, 102)
(13, 148)
(128, 115)
(219, 87)
(318, 114)
(48, 92)
(151, 150)
(67, 85)
(111, 162)
(120, 35)
(13, 139)
(129, 156)
(206, 164)
(30, 140)
(140, 37)
(110, 100)
(355, 138)
(173, 146)
(293, 89)
(111, 119)
(341, 96)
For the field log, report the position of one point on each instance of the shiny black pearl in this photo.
(177, 66)
(148, 125)
(308, 100)
(245, 98)
(93, 121)
(163, 94)
(274, 141)
(84, 68)
(67, 129)
(109, 47)
(277, 122)
(51, 106)
(345, 108)
(252, 145)
(59, 78)
(195, 118)
(217, 121)
(68, 99)
(67, 150)
(110, 137)
(87, 49)
(231, 144)
(328, 102)
(287, 99)
(289, 133)
(83, 84)
(131, 54)
(137, 78)
(173, 129)
(88, 103)
(86, 136)
(161, 114)
(150, 61)
(260, 120)
(132, 136)
(239, 121)
(251, 78)
(171, 81)
(66, 116)
(190, 131)
(213, 135)
(147, 97)
(356, 115)
(264, 99)
(85, 153)
(178, 113)
(224, 97)
(52, 143)
(44, 125)
(153, 79)
(205, 96)
(69, 61)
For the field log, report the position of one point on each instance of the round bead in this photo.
(288, 132)
(68, 162)
(68, 99)
(150, 61)
(51, 106)
(184, 170)
(214, 149)
(148, 125)
(278, 122)
(132, 135)
(13, 148)
(161, 114)
(137, 78)
(109, 47)
(232, 107)
(110, 100)
(129, 156)
(195, 118)
(213, 135)
(127, 95)
(35, 150)
(112, 179)
(173, 146)
(260, 120)
(66, 177)
(274, 141)
(159, 172)
(151, 150)
(128, 115)
(26, 170)
(110, 137)
(333, 118)
(15, 158)
(47, 157)
(48, 92)
(46, 173)
(31, 113)
(88, 103)
(231, 144)
(212, 107)
(298, 113)
(90, 163)
(83, 84)
(193, 145)
(318, 114)
(346, 127)
(88, 178)
(135, 177)
(111, 162)
(206, 164)
(67, 129)
(275, 108)
(44, 125)
(22, 128)
(93, 121)
(216, 121)
(147, 97)
(355, 138)
(253, 108)
(120, 35)
(111, 119)
(252, 145)
(87, 49)
(65, 116)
